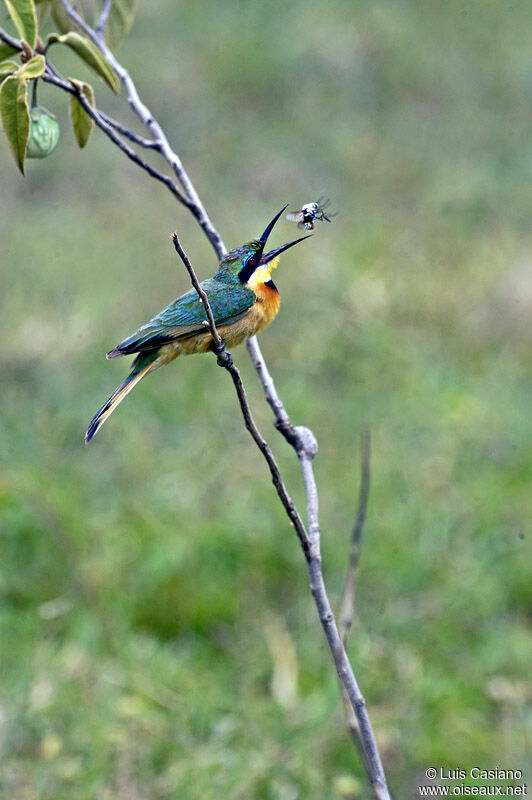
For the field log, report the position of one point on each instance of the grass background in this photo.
(158, 637)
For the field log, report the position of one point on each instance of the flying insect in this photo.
(243, 299)
(310, 213)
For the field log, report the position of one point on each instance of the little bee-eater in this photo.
(243, 299)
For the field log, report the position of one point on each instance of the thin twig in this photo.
(194, 203)
(358, 720)
(103, 18)
(347, 604)
(51, 76)
(5, 37)
(219, 345)
(272, 464)
(298, 437)
(225, 360)
(129, 134)
(283, 423)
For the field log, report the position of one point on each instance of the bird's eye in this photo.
(252, 261)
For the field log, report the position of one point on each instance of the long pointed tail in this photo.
(118, 395)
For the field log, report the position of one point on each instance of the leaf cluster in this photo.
(33, 54)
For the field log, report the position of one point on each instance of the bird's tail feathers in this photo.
(118, 395)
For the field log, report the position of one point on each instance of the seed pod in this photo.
(44, 133)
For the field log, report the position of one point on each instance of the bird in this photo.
(243, 299)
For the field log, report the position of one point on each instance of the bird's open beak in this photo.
(264, 237)
(272, 253)
(269, 256)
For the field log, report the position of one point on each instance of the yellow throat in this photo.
(262, 274)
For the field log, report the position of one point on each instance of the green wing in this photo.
(185, 316)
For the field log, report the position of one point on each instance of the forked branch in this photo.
(300, 438)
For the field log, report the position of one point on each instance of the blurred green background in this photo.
(158, 636)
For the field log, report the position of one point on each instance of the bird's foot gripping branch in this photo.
(225, 359)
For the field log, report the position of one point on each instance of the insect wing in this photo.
(295, 216)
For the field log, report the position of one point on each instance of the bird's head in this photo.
(249, 263)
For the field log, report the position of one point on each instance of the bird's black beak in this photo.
(272, 253)
(264, 238)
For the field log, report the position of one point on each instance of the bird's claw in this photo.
(224, 359)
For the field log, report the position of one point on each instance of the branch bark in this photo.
(129, 134)
(5, 37)
(225, 359)
(103, 18)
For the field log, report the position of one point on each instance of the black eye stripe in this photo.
(247, 271)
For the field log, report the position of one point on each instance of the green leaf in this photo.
(15, 116)
(22, 12)
(8, 67)
(33, 68)
(88, 51)
(62, 20)
(82, 124)
(6, 51)
(120, 21)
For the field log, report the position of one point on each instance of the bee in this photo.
(309, 213)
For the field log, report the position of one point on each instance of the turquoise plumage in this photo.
(243, 300)
(228, 301)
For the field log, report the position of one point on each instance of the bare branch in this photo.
(103, 18)
(347, 605)
(305, 445)
(53, 77)
(358, 721)
(225, 360)
(194, 203)
(301, 439)
(295, 436)
(272, 464)
(129, 134)
(219, 346)
(5, 37)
